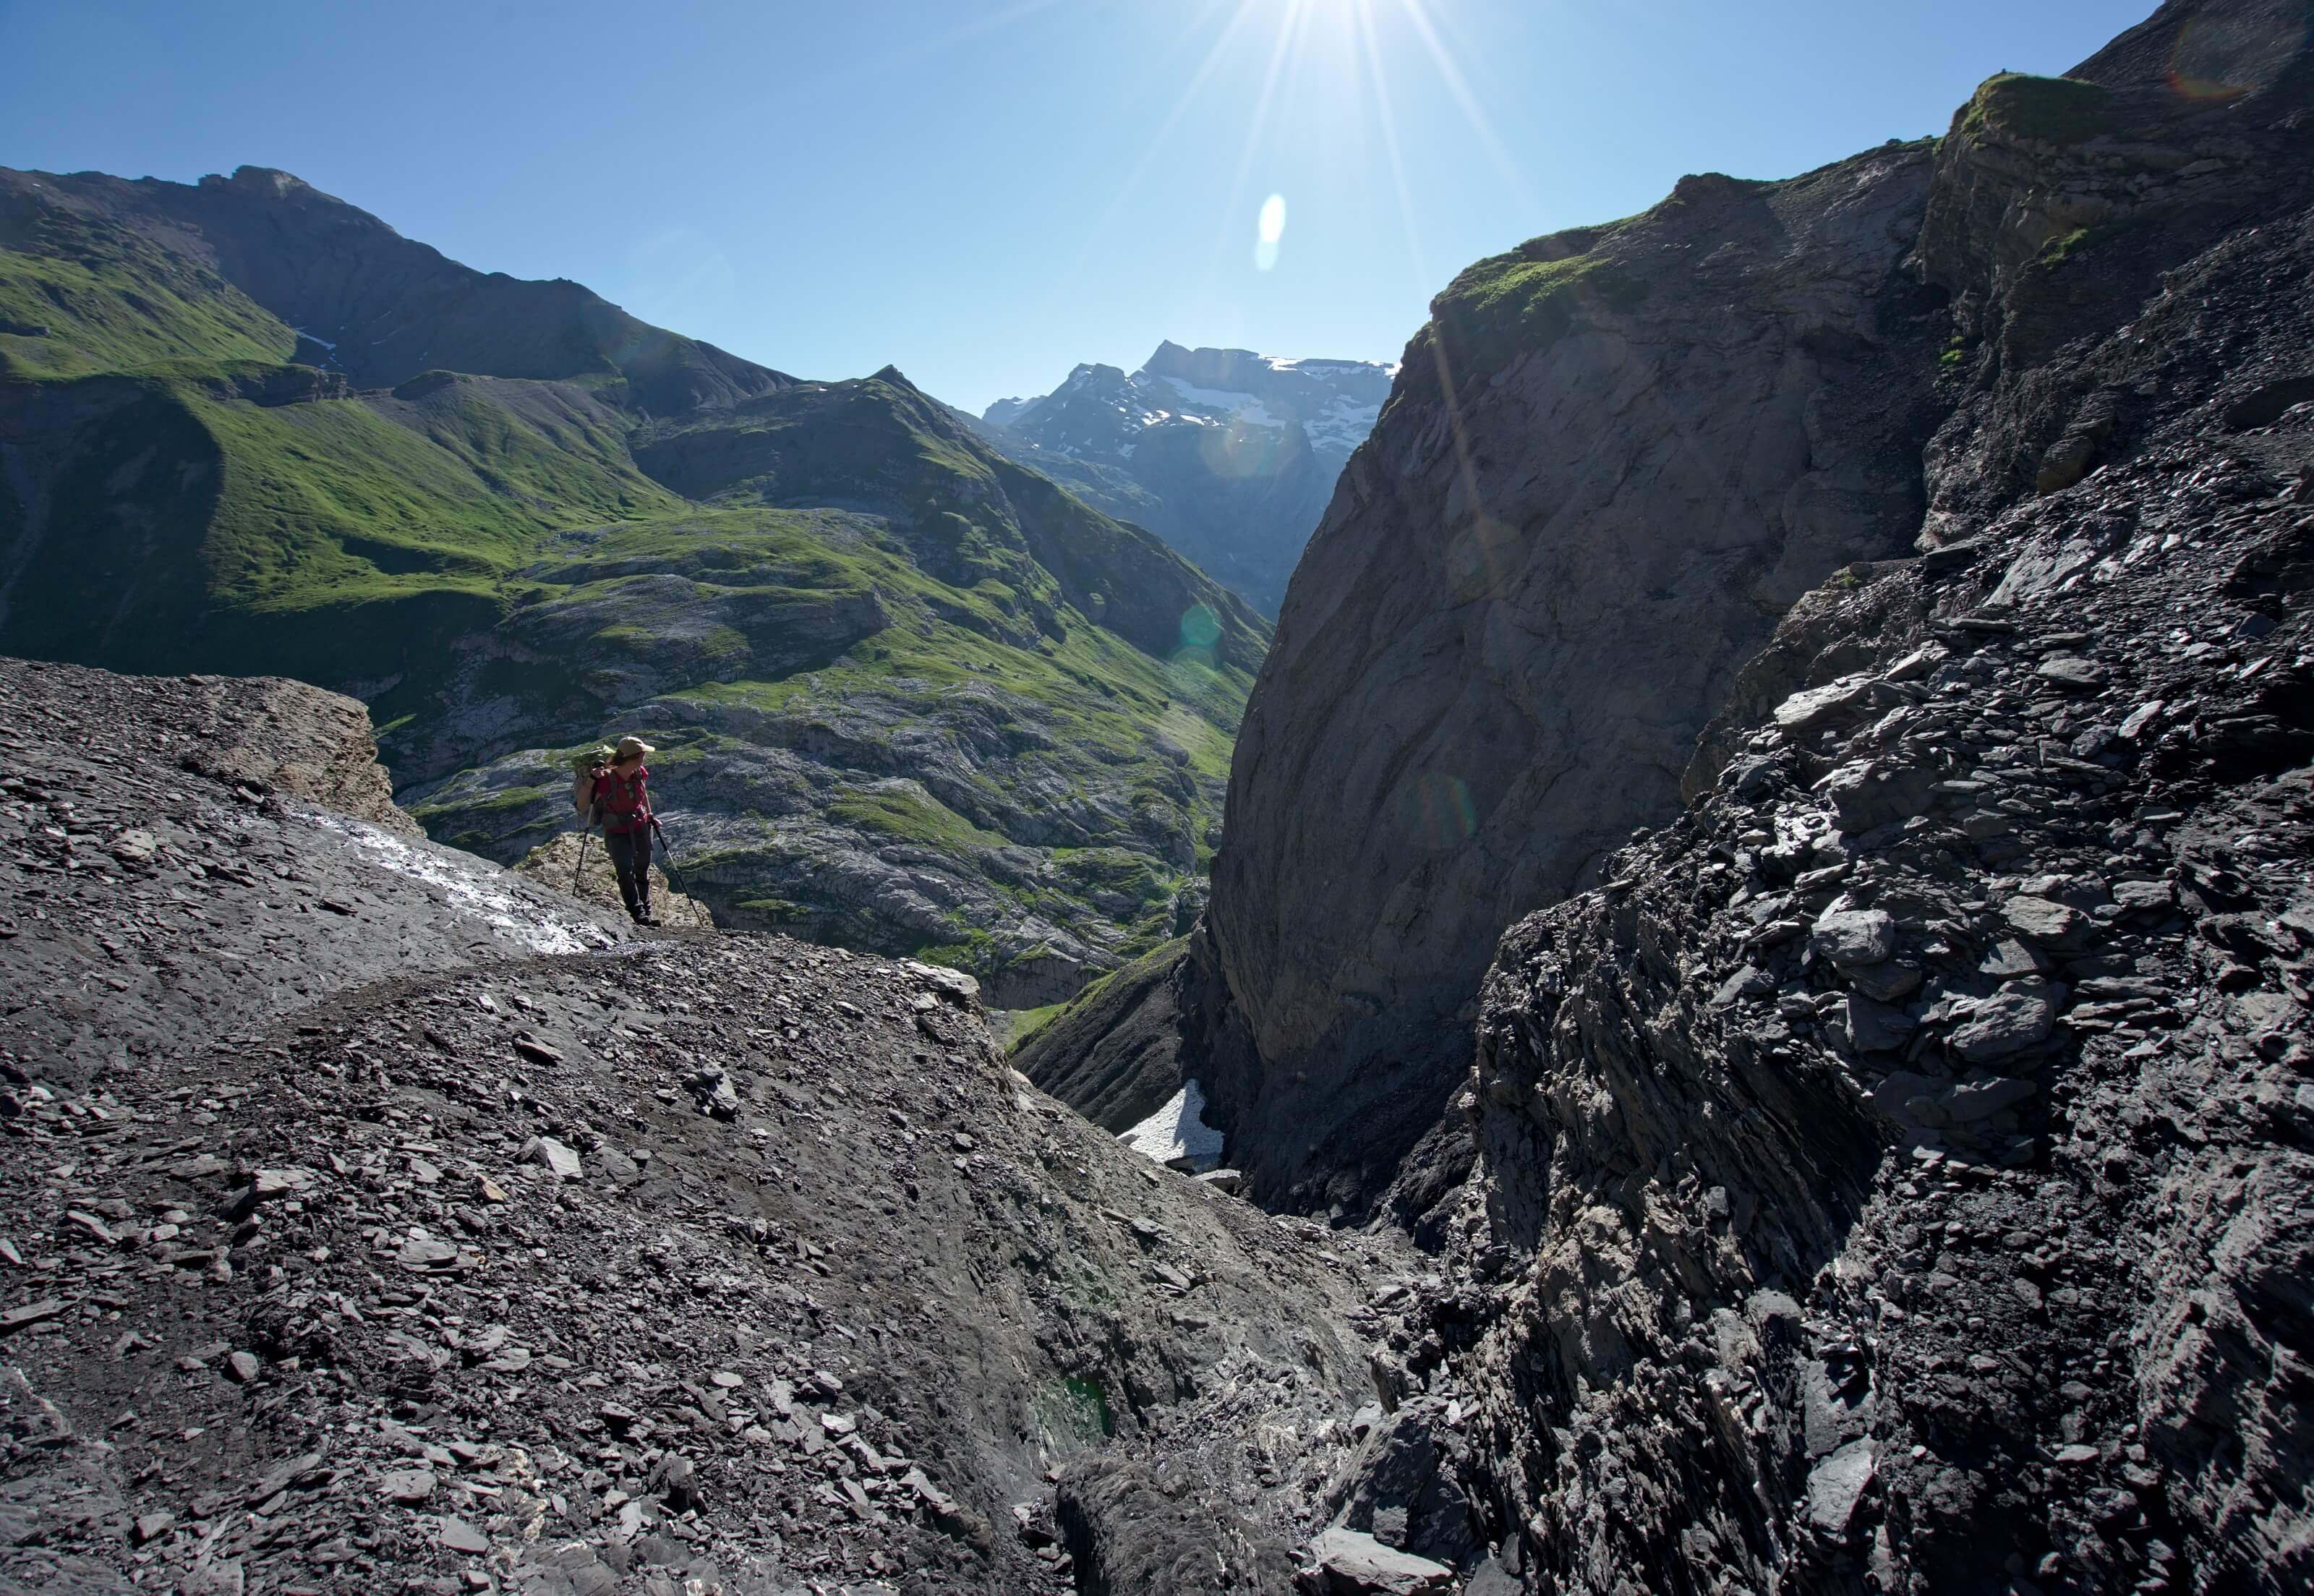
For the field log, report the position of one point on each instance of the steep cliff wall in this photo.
(1896, 1180)
(1896, 1172)
(1897, 1177)
(1612, 461)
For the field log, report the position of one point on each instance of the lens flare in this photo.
(1201, 628)
(1439, 812)
(1243, 450)
(1193, 672)
(2218, 58)
(1269, 228)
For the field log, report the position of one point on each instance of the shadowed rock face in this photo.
(1610, 461)
(1948, 1137)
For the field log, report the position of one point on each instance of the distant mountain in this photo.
(910, 697)
(262, 263)
(1228, 456)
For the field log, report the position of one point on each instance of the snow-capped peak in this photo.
(1101, 410)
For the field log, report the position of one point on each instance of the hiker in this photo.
(616, 799)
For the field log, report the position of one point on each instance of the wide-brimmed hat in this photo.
(634, 748)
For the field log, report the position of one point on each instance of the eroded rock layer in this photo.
(1898, 1176)
(1612, 461)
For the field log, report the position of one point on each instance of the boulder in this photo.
(1870, 793)
(2013, 1019)
(1853, 937)
(1875, 1026)
(1349, 1563)
(1837, 1484)
(2053, 925)
(558, 1159)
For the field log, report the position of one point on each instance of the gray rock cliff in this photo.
(1892, 1172)
(1612, 461)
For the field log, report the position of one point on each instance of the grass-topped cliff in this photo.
(909, 695)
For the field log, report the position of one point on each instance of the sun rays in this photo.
(1329, 57)
(1341, 75)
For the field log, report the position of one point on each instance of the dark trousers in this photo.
(629, 855)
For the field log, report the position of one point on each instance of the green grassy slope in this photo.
(77, 295)
(380, 308)
(909, 695)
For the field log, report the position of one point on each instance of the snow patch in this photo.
(475, 888)
(1245, 407)
(1344, 424)
(1179, 1131)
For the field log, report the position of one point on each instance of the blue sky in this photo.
(985, 193)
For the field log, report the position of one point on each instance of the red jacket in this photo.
(622, 801)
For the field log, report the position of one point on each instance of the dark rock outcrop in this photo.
(1138, 1531)
(1946, 1256)
(1887, 1175)
(1612, 461)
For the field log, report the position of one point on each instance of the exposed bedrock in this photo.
(1889, 1176)
(1613, 460)
(1890, 1172)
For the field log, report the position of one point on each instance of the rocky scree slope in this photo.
(191, 849)
(917, 698)
(1898, 1177)
(1228, 456)
(362, 1232)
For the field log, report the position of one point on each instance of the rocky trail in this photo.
(388, 1234)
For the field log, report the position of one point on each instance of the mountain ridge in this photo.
(1227, 454)
(330, 272)
(608, 526)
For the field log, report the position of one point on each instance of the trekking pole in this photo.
(578, 874)
(666, 852)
